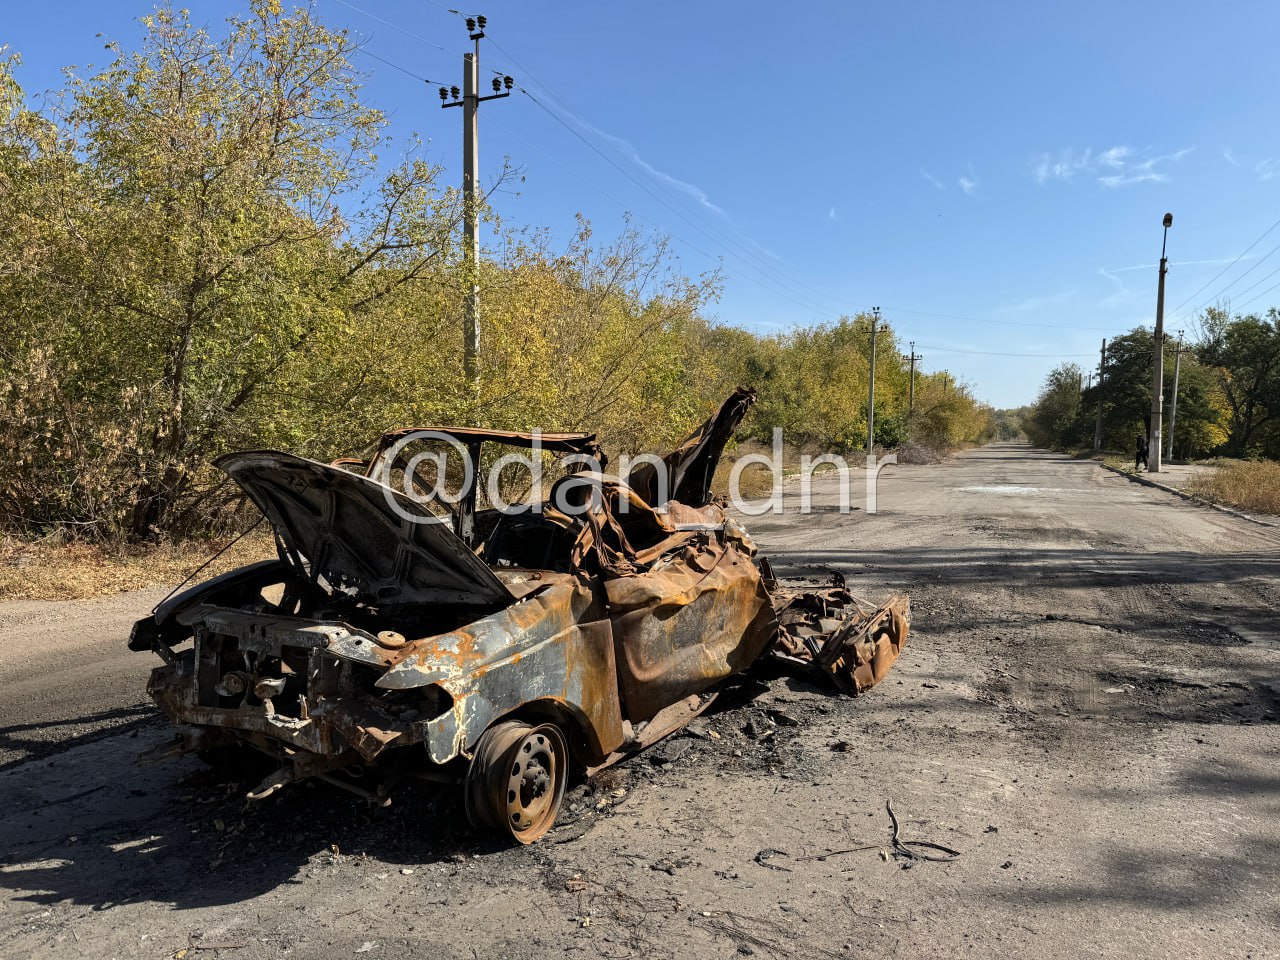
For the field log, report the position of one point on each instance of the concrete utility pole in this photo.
(470, 104)
(1173, 400)
(911, 390)
(871, 404)
(1102, 374)
(1157, 374)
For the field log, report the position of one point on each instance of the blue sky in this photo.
(992, 175)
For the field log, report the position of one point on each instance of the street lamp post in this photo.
(1157, 378)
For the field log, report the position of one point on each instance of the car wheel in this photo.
(517, 778)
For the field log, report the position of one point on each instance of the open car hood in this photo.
(356, 534)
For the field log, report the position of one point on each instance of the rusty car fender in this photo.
(554, 648)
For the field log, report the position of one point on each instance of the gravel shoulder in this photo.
(1086, 710)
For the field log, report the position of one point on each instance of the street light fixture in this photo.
(1157, 377)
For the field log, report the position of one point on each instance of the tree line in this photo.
(1228, 400)
(206, 250)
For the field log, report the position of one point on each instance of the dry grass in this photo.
(49, 570)
(1249, 485)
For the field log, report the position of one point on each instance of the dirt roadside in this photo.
(1086, 710)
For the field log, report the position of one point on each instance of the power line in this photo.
(456, 13)
(801, 295)
(996, 353)
(564, 166)
(1255, 266)
(1011, 323)
(1219, 295)
(393, 26)
(811, 304)
(805, 302)
(1260, 296)
(395, 66)
(808, 293)
(1258, 283)
(742, 252)
(1215, 277)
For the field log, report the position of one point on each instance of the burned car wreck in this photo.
(499, 649)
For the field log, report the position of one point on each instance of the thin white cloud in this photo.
(1181, 263)
(1121, 293)
(1114, 158)
(684, 186)
(1063, 167)
(831, 214)
(1123, 179)
(1265, 169)
(1116, 166)
(968, 185)
(932, 179)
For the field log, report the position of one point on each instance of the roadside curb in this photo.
(1137, 478)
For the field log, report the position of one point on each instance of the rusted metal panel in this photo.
(839, 637)
(691, 465)
(554, 647)
(362, 537)
(687, 624)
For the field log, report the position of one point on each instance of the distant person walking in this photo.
(1140, 455)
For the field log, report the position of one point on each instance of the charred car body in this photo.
(495, 648)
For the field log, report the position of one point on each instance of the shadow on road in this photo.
(98, 830)
(36, 745)
(201, 844)
(1153, 875)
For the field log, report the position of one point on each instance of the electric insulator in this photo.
(471, 24)
(508, 82)
(497, 84)
(482, 21)
(444, 94)
(455, 92)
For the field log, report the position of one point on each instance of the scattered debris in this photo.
(764, 856)
(911, 848)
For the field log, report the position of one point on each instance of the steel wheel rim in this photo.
(531, 788)
(517, 780)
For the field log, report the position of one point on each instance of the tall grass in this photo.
(1249, 485)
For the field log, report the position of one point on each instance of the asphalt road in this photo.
(66, 674)
(1086, 710)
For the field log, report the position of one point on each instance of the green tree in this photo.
(1053, 419)
(1246, 352)
(208, 214)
